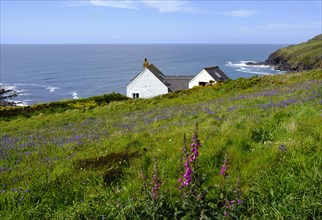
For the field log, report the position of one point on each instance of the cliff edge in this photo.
(304, 56)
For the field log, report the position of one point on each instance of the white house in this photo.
(152, 82)
(208, 76)
(147, 84)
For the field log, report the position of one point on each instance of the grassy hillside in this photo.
(6, 112)
(256, 153)
(304, 56)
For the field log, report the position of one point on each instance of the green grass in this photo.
(60, 106)
(91, 163)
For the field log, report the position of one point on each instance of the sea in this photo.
(47, 73)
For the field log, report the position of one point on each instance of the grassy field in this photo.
(254, 154)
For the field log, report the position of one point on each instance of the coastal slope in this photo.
(259, 154)
(304, 56)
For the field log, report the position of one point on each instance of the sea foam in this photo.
(51, 88)
(75, 95)
(253, 69)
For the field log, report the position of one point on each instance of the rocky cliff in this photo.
(304, 56)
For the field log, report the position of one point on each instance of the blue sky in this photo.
(147, 21)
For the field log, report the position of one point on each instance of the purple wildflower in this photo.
(231, 199)
(186, 176)
(195, 145)
(282, 148)
(224, 167)
(190, 160)
(156, 181)
(223, 170)
(156, 185)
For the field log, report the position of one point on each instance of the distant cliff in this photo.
(304, 56)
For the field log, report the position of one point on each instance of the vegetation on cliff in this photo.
(304, 56)
(255, 154)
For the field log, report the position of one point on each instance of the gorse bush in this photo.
(255, 154)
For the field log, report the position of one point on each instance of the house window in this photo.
(202, 83)
(135, 95)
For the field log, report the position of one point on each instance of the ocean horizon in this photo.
(53, 72)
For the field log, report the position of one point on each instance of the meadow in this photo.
(243, 149)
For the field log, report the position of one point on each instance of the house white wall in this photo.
(202, 76)
(147, 85)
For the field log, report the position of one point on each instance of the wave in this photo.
(75, 95)
(51, 88)
(8, 87)
(244, 64)
(21, 103)
(27, 92)
(253, 69)
(14, 88)
(24, 86)
(253, 72)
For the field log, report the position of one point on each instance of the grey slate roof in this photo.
(153, 69)
(156, 71)
(176, 83)
(216, 73)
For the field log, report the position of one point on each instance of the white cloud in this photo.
(163, 6)
(169, 6)
(239, 13)
(114, 3)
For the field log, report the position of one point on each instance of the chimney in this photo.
(145, 63)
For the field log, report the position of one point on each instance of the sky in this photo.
(162, 22)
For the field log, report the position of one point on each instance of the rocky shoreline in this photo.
(7, 94)
(276, 63)
(281, 63)
(296, 58)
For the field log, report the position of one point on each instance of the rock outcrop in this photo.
(7, 94)
(304, 56)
